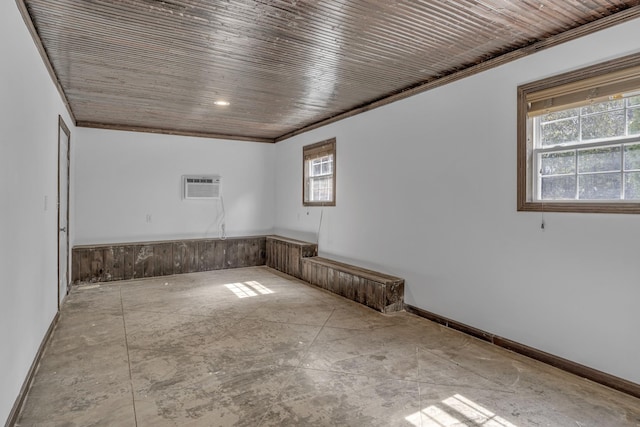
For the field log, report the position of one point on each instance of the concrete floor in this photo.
(251, 347)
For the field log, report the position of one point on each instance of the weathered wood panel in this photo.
(162, 260)
(286, 254)
(97, 262)
(93, 262)
(185, 257)
(107, 264)
(80, 271)
(231, 257)
(253, 250)
(125, 261)
(217, 250)
(205, 249)
(114, 265)
(129, 261)
(376, 290)
(143, 261)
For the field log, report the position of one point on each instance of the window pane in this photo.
(315, 169)
(558, 163)
(632, 185)
(557, 115)
(321, 166)
(633, 118)
(559, 132)
(599, 186)
(559, 187)
(632, 157)
(327, 164)
(321, 189)
(634, 100)
(603, 125)
(603, 106)
(599, 159)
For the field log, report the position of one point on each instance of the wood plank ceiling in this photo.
(283, 65)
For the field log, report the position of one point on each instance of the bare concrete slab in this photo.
(252, 347)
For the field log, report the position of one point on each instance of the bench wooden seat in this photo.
(376, 290)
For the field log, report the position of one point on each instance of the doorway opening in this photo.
(64, 144)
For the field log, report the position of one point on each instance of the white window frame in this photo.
(620, 142)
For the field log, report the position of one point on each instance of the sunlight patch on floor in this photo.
(259, 287)
(455, 411)
(248, 289)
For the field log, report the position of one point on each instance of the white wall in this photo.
(29, 108)
(426, 190)
(121, 177)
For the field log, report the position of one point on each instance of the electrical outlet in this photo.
(148, 218)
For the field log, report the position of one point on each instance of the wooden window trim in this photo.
(525, 200)
(311, 151)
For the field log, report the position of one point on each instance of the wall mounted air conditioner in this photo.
(201, 187)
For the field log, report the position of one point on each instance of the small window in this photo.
(319, 165)
(579, 140)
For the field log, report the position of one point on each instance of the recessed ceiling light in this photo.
(222, 103)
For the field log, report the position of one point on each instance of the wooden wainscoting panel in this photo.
(129, 261)
(185, 257)
(114, 263)
(124, 261)
(232, 253)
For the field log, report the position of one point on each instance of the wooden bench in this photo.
(376, 290)
(104, 263)
(284, 254)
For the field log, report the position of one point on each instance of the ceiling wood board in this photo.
(284, 65)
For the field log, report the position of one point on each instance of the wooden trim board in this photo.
(17, 406)
(178, 132)
(591, 374)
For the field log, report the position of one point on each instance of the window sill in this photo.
(581, 207)
(306, 204)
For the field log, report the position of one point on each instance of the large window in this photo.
(319, 165)
(579, 140)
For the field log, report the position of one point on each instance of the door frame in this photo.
(63, 128)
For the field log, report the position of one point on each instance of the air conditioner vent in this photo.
(201, 187)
